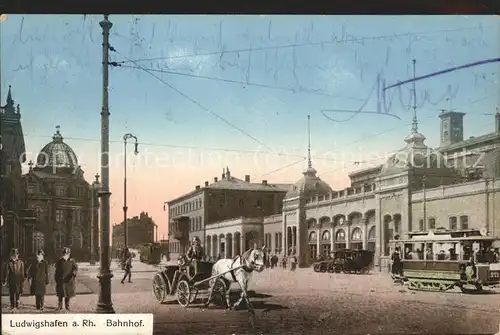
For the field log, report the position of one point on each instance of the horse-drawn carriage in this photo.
(187, 280)
(347, 261)
(184, 282)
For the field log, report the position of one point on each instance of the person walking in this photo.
(65, 278)
(38, 273)
(127, 265)
(14, 277)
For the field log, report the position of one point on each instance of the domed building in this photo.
(63, 201)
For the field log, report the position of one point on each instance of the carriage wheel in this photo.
(317, 268)
(160, 288)
(338, 269)
(322, 268)
(183, 293)
(331, 268)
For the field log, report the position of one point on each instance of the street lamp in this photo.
(125, 138)
(104, 305)
(95, 187)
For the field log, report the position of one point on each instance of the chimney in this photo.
(197, 187)
(264, 182)
(215, 179)
(228, 173)
(247, 178)
(206, 183)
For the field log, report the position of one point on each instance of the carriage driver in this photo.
(195, 254)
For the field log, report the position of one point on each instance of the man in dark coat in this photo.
(39, 275)
(65, 276)
(126, 265)
(14, 276)
(194, 255)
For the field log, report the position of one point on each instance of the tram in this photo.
(150, 253)
(443, 259)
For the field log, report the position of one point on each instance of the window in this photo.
(59, 215)
(432, 223)
(453, 222)
(325, 236)
(77, 239)
(259, 203)
(60, 190)
(241, 203)
(313, 237)
(357, 235)
(76, 216)
(38, 241)
(421, 225)
(340, 235)
(464, 222)
(371, 233)
(59, 241)
(31, 188)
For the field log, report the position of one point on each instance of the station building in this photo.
(454, 186)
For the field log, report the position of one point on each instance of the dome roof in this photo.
(309, 185)
(415, 154)
(57, 154)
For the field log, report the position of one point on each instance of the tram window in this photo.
(429, 255)
(408, 251)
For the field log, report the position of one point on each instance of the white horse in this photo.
(244, 265)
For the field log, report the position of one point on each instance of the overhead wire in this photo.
(245, 83)
(243, 151)
(295, 45)
(197, 103)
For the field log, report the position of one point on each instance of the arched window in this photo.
(340, 235)
(77, 239)
(357, 235)
(371, 233)
(325, 236)
(313, 236)
(38, 241)
(59, 240)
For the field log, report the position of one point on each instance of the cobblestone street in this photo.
(308, 302)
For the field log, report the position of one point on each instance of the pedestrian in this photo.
(397, 267)
(283, 262)
(65, 278)
(293, 263)
(38, 273)
(127, 265)
(14, 276)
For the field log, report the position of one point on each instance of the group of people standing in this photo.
(15, 274)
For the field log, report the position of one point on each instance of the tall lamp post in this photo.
(104, 305)
(95, 187)
(125, 225)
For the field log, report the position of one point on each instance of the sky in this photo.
(205, 92)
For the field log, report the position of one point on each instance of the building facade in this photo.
(61, 198)
(199, 213)
(454, 186)
(141, 230)
(17, 220)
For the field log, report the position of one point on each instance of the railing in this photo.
(343, 194)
